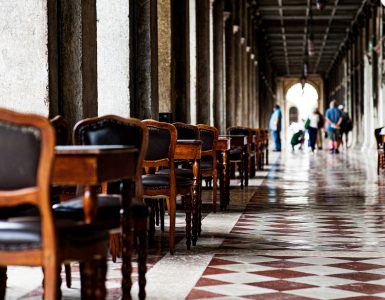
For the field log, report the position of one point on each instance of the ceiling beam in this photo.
(303, 7)
(297, 18)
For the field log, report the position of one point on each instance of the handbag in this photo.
(307, 123)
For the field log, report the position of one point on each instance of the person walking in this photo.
(313, 129)
(346, 126)
(333, 117)
(321, 124)
(275, 125)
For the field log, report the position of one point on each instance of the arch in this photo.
(304, 98)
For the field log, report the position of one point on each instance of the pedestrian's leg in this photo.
(278, 140)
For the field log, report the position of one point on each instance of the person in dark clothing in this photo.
(297, 138)
(346, 126)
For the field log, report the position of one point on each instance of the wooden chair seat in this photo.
(109, 209)
(158, 182)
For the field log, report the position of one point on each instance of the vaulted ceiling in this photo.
(286, 25)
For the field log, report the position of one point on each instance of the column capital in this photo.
(235, 28)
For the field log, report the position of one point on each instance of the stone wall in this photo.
(24, 56)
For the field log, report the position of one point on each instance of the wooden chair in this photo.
(26, 159)
(183, 168)
(62, 131)
(209, 137)
(380, 150)
(248, 155)
(114, 130)
(160, 154)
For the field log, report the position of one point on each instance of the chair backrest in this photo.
(378, 137)
(186, 131)
(161, 144)
(113, 130)
(26, 157)
(209, 137)
(62, 131)
(238, 130)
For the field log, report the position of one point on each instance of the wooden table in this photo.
(223, 146)
(191, 150)
(90, 166)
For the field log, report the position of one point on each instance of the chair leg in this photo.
(92, 278)
(140, 227)
(115, 246)
(161, 210)
(241, 172)
(52, 280)
(3, 282)
(100, 272)
(215, 179)
(171, 201)
(187, 207)
(67, 268)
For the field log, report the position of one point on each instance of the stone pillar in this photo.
(77, 60)
(144, 91)
(165, 56)
(180, 95)
(237, 66)
(218, 28)
(203, 60)
(244, 65)
(229, 67)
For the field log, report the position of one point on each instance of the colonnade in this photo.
(201, 61)
(357, 76)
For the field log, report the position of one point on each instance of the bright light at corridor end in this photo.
(383, 2)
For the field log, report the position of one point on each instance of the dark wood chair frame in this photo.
(139, 224)
(213, 173)
(49, 256)
(247, 153)
(173, 190)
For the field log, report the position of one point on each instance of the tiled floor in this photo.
(309, 227)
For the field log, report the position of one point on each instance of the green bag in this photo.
(307, 123)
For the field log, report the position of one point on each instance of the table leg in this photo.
(221, 181)
(127, 189)
(196, 198)
(226, 179)
(89, 204)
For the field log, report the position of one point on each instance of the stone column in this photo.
(165, 56)
(77, 60)
(218, 28)
(180, 96)
(229, 64)
(244, 111)
(144, 91)
(237, 66)
(203, 60)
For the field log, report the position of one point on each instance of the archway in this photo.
(301, 101)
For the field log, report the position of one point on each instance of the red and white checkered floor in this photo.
(309, 227)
